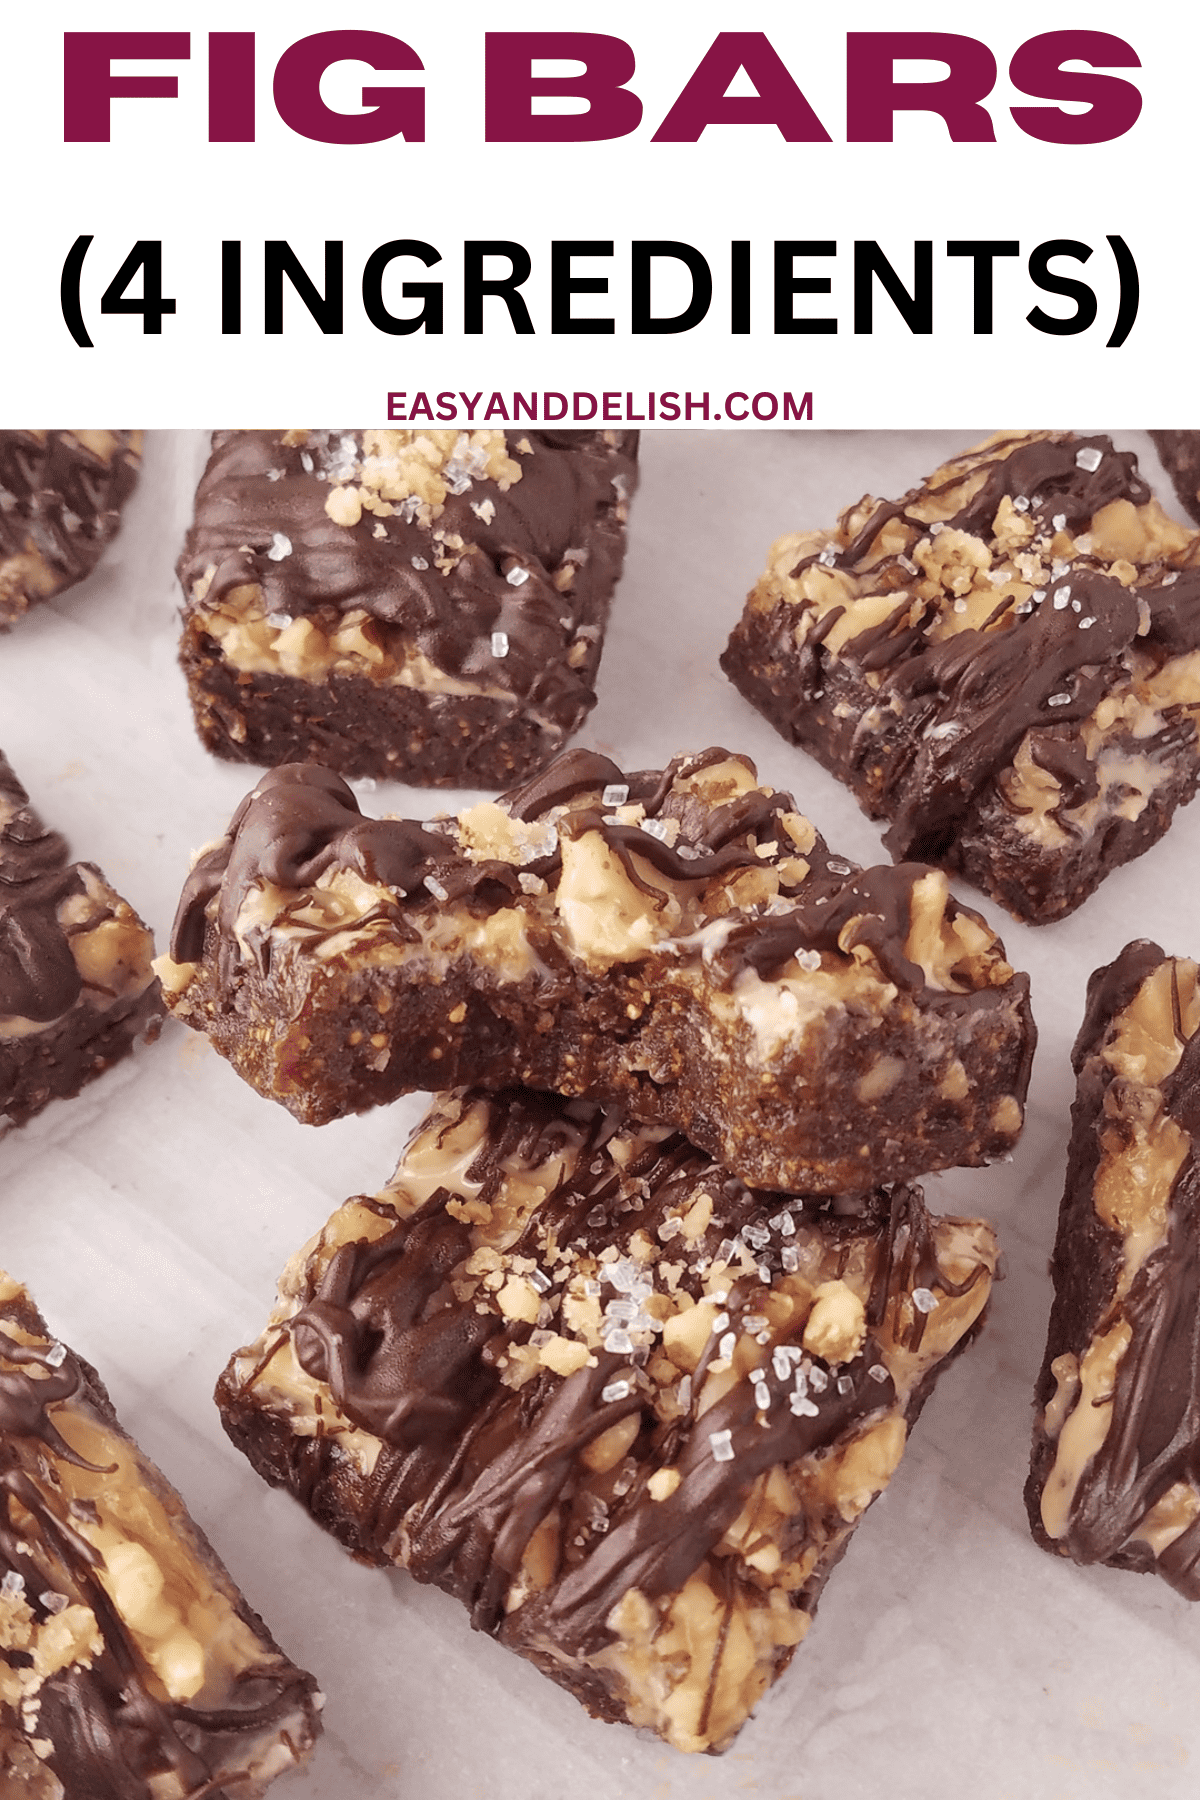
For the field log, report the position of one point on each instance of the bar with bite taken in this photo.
(679, 939)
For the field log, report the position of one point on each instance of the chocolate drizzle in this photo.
(111, 1736)
(1153, 1438)
(38, 976)
(929, 717)
(471, 1468)
(61, 500)
(440, 587)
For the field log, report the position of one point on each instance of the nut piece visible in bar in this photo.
(130, 1664)
(76, 986)
(642, 1484)
(423, 605)
(61, 494)
(1004, 664)
(1115, 1476)
(695, 952)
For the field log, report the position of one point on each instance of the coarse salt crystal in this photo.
(499, 643)
(280, 547)
(56, 1356)
(924, 1299)
(1089, 458)
(436, 889)
(517, 577)
(1062, 599)
(721, 1444)
(878, 1373)
(615, 794)
(616, 1390)
(802, 1406)
(1059, 521)
(1086, 624)
(1059, 700)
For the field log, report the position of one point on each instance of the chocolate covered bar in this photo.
(1179, 453)
(61, 494)
(423, 605)
(1004, 664)
(624, 1408)
(1115, 1476)
(681, 939)
(76, 986)
(131, 1667)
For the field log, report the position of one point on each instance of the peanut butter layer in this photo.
(76, 985)
(61, 494)
(424, 605)
(1004, 664)
(681, 939)
(130, 1666)
(626, 1409)
(1115, 1476)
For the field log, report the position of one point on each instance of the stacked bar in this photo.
(1004, 664)
(428, 606)
(625, 1408)
(130, 1666)
(680, 939)
(622, 1361)
(76, 986)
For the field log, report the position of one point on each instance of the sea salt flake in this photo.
(809, 960)
(789, 1256)
(1059, 521)
(878, 1373)
(1089, 458)
(616, 1390)
(762, 1395)
(1062, 599)
(1086, 624)
(56, 1356)
(1021, 503)
(838, 868)
(419, 562)
(618, 1342)
(54, 1603)
(281, 546)
(721, 1444)
(844, 1385)
(828, 557)
(1059, 700)
(656, 828)
(726, 1346)
(499, 643)
(517, 577)
(924, 1299)
(436, 889)
(818, 1380)
(13, 1585)
(802, 1406)
(615, 794)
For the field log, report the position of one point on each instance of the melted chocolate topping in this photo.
(301, 821)
(113, 1739)
(59, 498)
(968, 701)
(38, 976)
(1153, 1440)
(259, 494)
(471, 1467)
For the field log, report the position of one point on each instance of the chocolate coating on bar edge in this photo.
(107, 1729)
(1151, 1445)
(489, 562)
(38, 976)
(60, 502)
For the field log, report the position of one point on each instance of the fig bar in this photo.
(1004, 663)
(1179, 453)
(61, 494)
(428, 606)
(624, 1408)
(679, 939)
(76, 985)
(130, 1666)
(1116, 1452)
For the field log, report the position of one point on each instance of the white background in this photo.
(160, 179)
